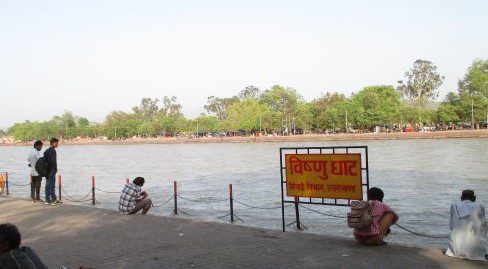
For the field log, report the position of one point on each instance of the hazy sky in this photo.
(91, 57)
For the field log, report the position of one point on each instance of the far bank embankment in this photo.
(292, 138)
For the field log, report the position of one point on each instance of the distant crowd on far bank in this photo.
(431, 134)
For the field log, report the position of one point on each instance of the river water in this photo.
(421, 178)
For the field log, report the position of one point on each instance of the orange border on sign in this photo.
(321, 173)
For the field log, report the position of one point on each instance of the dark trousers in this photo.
(35, 187)
(50, 186)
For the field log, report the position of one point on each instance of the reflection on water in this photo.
(420, 179)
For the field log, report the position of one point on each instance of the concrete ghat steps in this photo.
(76, 235)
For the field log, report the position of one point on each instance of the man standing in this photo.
(468, 228)
(34, 155)
(133, 199)
(52, 169)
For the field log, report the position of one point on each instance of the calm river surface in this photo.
(421, 178)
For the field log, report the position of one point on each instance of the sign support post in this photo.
(297, 213)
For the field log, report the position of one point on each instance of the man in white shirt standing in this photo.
(468, 229)
(34, 155)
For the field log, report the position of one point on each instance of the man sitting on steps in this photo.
(133, 199)
(382, 218)
(468, 228)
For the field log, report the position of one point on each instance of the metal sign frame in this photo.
(363, 150)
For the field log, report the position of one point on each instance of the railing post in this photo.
(231, 201)
(6, 183)
(93, 189)
(297, 213)
(59, 187)
(175, 196)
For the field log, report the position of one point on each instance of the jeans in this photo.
(35, 187)
(50, 186)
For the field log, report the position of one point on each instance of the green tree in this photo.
(453, 102)
(473, 92)
(271, 121)
(147, 109)
(325, 116)
(219, 106)
(335, 116)
(66, 125)
(408, 114)
(251, 92)
(452, 98)
(281, 99)
(207, 124)
(304, 116)
(120, 124)
(171, 107)
(83, 127)
(245, 115)
(170, 124)
(170, 118)
(380, 104)
(446, 114)
(422, 83)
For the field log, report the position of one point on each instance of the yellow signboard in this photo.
(337, 176)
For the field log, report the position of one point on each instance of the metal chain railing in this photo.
(398, 225)
(256, 207)
(75, 200)
(203, 201)
(422, 234)
(87, 198)
(324, 214)
(165, 202)
(183, 212)
(110, 192)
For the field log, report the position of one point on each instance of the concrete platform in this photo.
(75, 235)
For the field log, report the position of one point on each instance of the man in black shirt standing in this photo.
(52, 169)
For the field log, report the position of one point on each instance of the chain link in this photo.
(81, 200)
(86, 198)
(167, 201)
(256, 207)
(324, 214)
(422, 234)
(202, 201)
(111, 192)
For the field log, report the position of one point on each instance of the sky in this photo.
(93, 57)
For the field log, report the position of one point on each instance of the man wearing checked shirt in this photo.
(133, 199)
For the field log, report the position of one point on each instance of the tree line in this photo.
(283, 111)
